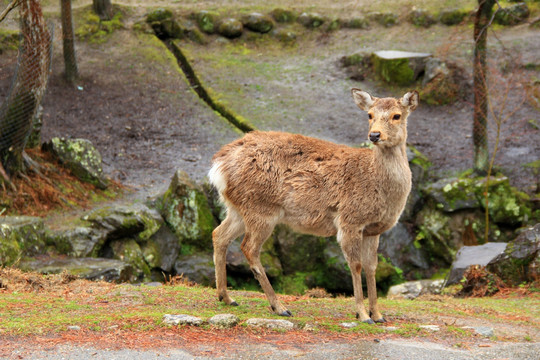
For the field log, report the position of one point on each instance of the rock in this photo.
(434, 67)
(83, 241)
(169, 29)
(420, 17)
(182, 319)
(429, 327)
(513, 14)
(135, 221)
(386, 19)
(237, 262)
(185, 209)
(413, 289)
(434, 235)
(20, 236)
(128, 251)
(452, 16)
(159, 15)
(285, 36)
(230, 28)
(399, 67)
(224, 320)
(419, 165)
(473, 255)
(356, 23)
(81, 158)
(270, 324)
(298, 252)
(348, 325)
(87, 268)
(162, 249)
(310, 327)
(513, 265)
(283, 16)
(453, 194)
(196, 267)
(74, 328)
(258, 23)
(481, 330)
(337, 271)
(207, 21)
(311, 20)
(397, 244)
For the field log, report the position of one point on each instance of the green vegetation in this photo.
(94, 30)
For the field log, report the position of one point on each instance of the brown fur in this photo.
(315, 187)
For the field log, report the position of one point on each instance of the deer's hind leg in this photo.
(257, 232)
(222, 236)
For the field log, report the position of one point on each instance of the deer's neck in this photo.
(393, 167)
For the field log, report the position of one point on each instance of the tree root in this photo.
(4, 178)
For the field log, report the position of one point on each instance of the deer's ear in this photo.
(410, 100)
(362, 99)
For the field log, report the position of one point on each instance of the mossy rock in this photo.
(79, 241)
(169, 29)
(198, 267)
(128, 251)
(513, 14)
(284, 36)
(311, 20)
(9, 40)
(238, 264)
(207, 21)
(230, 28)
(356, 23)
(386, 19)
(452, 16)
(434, 236)
(81, 158)
(184, 207)
(159, 15)
(399, 67)
(20, 236)
(283, 15)
(258, 22)
(195, 35)
(95, 30)
(421, 18)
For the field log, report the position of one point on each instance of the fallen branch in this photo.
(12, 5)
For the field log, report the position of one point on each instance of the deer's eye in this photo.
(396, 117)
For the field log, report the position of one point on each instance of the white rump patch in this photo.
(216, 178)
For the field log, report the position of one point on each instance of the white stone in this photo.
(429, 327)
(270, 323)
(182, 320)
(348, 325)
(224, 320)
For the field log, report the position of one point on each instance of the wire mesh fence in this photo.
(21, 105)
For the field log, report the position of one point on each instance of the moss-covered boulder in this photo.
(399, 67)
(311, 20)
(386, 19)
(159, 15)
(419, 165)
(129, 251)
(80, 241)
(207, 21)
(452, 16)
(20, 236)
(398, 246)
(197, 267)
(184, 207)
(359, 22)
(513, 14)
(230, 28)
(434, 236)
(283, 15)
(284, 36)
(506, 205)
(161, 250)
(258, 22)
(237, 263)
(440, 85)
(136, 221)
(87, 268)
(514, 265)
(81, 158)
(453, 194)
(298, 252)
(421, 18)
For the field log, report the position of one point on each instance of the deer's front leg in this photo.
(370, 260)
(351, 241)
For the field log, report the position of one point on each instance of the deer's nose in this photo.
(374, 136)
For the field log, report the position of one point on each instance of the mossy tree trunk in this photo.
(103, 8)
(482, 21)
(17, 112)
(71, 71)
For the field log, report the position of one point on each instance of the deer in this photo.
(315, 187)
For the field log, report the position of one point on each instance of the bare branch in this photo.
(12, 5)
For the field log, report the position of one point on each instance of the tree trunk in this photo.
(17, 112)
(103, 8)
(480, 136)
(71, 72)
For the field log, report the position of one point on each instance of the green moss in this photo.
(207, 21)
(433, 235)
(9, 40)
(283, 16)
(130, 252)
(159, 15)
(396, 71)
(94, 30)
(452, 17)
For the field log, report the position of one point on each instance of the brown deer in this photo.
(316, 187)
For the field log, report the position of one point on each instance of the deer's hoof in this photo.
(285, 313)
(369, 321)
(381, 320)
(234, 303)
